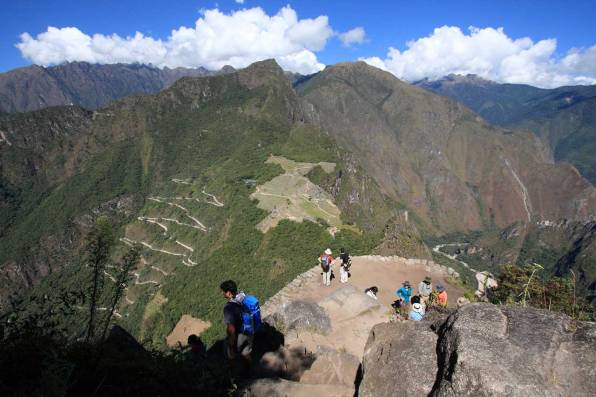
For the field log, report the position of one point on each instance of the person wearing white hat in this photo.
(416, 313)
(325, 261)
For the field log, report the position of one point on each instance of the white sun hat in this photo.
(328, 251)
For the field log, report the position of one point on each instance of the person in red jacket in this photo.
(442, 296)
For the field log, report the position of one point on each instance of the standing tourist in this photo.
(325, 261)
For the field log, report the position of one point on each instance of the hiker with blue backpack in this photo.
(325, 261)
(242, 317)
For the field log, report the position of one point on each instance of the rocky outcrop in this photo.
(487, 350)
(301, 316)
(483, 350)
(400, 359)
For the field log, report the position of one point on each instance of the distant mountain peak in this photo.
(227, 69)
(454, 78)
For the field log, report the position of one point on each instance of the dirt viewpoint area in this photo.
(187, 325)
(350, 329)
(293, 196)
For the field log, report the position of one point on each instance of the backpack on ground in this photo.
(325, 263)
(251, 315)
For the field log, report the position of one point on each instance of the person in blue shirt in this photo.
(416, 313)
(404, 293)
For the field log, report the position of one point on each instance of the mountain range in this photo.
(245, 175)
(563, 118)
(90, 86)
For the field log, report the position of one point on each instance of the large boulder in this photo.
(349, 302)
(399, 360)
(482, 350)
(300, 316)
(488, 350)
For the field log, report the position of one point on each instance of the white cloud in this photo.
(491, 54)
(239, 1)
(353, 36)
(217, 39)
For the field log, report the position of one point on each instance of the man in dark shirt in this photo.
(345, 266)
(238, 345)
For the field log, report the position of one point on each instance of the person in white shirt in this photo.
(344, 265)
(372, 292)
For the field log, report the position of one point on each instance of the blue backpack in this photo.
(251, 315)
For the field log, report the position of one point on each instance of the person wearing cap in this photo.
(425, 288)
(416, 313)
(325, 261)
(442, 296)
(405, 292)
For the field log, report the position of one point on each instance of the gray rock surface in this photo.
(300, 316)
(488, 350)
(482, 350)
(399, 360)
(350, 302)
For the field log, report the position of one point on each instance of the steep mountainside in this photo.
(175, 173)
(564, 117)
(90, 86)
(456, 172)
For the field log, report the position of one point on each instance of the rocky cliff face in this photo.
(482, 350)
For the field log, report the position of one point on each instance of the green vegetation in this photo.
(524, 285)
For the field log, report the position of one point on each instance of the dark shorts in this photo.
(243, 345)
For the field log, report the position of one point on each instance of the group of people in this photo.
(407, 305)
(415, 305)
(242, 318)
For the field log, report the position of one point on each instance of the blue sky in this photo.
(385, 23)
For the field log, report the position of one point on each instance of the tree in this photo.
(100, 243)
(128, 263)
